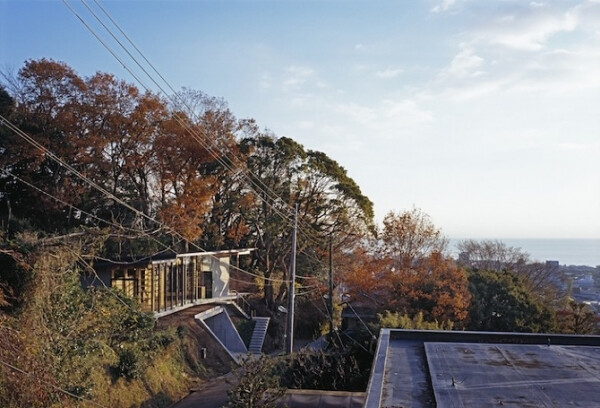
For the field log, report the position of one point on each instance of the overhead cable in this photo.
(254, 182)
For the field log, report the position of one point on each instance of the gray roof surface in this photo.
(406, 379)
(418, 369)
(514, 375)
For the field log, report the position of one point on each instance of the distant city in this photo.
(583, 282)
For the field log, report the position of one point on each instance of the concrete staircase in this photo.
(258, 335)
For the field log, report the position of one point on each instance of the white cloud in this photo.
(578, 147)
(532, 58)
(514, 93)
(306, 124)
(406, 110)
(297, 85)
(562, 71)
(465, 64)
(300, 100)
(588, 16)
(464, 92)
(387, 119)
(537, 4)
(358, 113)
(296, 77)
(527, 30)
(443, 6)
(389, 73)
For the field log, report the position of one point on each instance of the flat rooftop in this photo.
(478, 369)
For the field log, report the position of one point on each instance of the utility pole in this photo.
(290, 321)
(331, 284)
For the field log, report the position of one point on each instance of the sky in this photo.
(483, 114)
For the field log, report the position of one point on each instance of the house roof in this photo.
(481, 369)
(168, 256)
(220, 253)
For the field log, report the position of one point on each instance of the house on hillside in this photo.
(170, 281)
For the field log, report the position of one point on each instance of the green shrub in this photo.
(336, 370)
(162, 339)
(130, 365)
(257, 386)
(395, 320)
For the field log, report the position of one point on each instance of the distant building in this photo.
(464, 257)
(585, 282)
(168, 281)
(357, 316)
(418, 369)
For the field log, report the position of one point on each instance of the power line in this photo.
(270, 194)
(28, 184)
(330, 316)
(240, 169)
(361, 320)
(262, 187)
(4, 121)
(267, 193)
(211, 148)
(315, 288)
(354, 340)
(91, 268)
(232, 166)
(70, 168)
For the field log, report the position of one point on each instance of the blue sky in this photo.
(484, 114)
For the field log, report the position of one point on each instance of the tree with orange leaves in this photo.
(156, 157)
(435, 286)
(408, 273)
(409, 236)
(364, 275)
(102, 127)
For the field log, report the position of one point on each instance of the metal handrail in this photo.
(245, 306)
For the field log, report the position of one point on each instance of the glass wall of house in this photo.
(193, 277)
(163, 285)
(126, 281)
(170, 283)
(173, 285)
(134, 282)
(176, 282)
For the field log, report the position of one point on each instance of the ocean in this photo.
(565, 251)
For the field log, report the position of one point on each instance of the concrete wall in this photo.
(219, 322)
(220, 274)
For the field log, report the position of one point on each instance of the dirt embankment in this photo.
(215, 361)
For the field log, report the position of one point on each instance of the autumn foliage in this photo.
(98, 157)
(130, 156)
(177, 171)
(407, 273)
